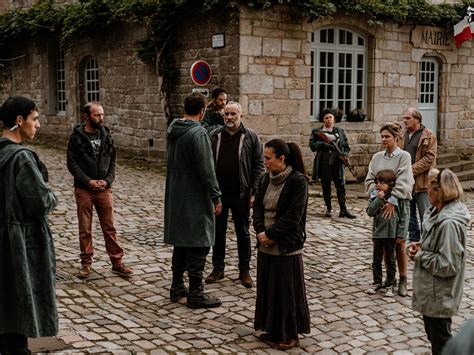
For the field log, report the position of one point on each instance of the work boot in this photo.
(214, 276)
(122, 270)
(84, 272)
(328, 213)
(178, 290)
(197, 298)
(245, 279)
(402, 286)
(347, 214)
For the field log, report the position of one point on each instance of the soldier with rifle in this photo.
(332, 148)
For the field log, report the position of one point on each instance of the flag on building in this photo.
(464, 30)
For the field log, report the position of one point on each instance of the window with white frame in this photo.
(339, 71)
(60, 83)
(91, 80)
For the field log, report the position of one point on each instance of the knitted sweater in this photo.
(270, 201)
(399, 161)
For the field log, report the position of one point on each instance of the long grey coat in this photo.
(27, 261)
(191, 186)
(438, 275)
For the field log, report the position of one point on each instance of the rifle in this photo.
(340, 154)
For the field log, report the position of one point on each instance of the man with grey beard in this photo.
(238, 155)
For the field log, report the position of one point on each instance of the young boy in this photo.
(383, 233)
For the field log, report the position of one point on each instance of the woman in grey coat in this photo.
(440, 257)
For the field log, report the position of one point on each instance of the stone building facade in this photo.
(282, 68)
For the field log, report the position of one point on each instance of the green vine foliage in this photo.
(161, 17)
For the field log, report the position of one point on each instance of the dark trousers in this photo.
(192, 260)
(420, 202)
(384, 247)
(438, 331)
(14, 344)
(329, 173)
(240, 214)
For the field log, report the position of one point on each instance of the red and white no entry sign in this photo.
(200, 72)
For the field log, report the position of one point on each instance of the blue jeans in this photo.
(419, 200)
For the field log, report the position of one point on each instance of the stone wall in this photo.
(275, 79)
(130, 90)
(265, 64)
(195, 43)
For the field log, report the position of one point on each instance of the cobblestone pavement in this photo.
(107, 314)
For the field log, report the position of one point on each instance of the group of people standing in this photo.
(211, 172)
(408, 198)
(216, 167)
(27, 258)
(401, 179)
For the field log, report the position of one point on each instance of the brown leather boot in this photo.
(214, 276)
(245, 279)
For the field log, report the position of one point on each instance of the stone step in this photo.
(465, 175)
(458, 166)
(447, 158)
(468, 185)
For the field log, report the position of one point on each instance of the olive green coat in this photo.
(27, 261)
(191, 186)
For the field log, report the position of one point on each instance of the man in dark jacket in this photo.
(192, 199)
(238, 155)
(91, 160)
(27, 261)
(214, 116)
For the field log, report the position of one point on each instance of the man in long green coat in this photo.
(192, 200)
(27, 261)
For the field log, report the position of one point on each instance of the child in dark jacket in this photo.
(383, 233)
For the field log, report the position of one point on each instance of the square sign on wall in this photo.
(218, 40)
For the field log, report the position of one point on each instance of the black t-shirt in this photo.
(95, 141)
(227, 169)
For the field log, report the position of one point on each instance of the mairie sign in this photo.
(432, 38)
(200, 72)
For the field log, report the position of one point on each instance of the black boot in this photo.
(178, 290)
(341, 198)
(197, 298)
(347, 214)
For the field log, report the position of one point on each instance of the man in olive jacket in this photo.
(27, 260)
(192, 199)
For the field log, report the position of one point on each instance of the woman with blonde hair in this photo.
(440, 257)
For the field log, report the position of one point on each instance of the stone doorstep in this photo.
(37, 345)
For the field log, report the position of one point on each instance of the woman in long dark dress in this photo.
(279, 218)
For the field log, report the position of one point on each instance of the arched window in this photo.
(339, 70)
(60, 83)
(91, 80)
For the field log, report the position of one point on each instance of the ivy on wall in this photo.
(161, 18)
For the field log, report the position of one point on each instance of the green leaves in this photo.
(87, 17)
